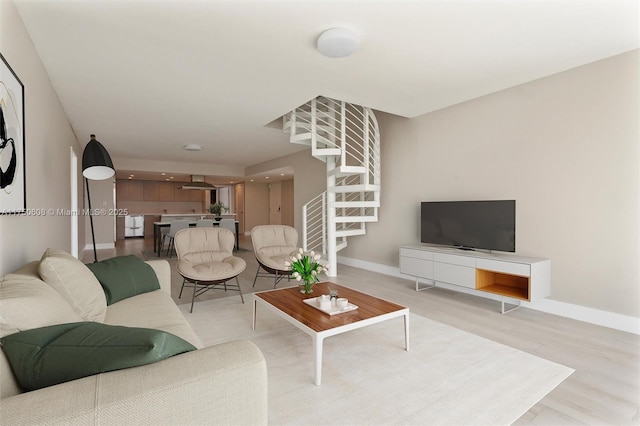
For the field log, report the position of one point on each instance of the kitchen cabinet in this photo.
(151, 190)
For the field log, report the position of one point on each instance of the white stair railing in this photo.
(347, 138)
(314, 222)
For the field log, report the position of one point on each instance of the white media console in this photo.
(513, 277)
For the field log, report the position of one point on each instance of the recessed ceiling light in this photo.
(266, 177)
(170, 177)
(192, 147)
(281, 174)
(163, 174)
(251, 180)
(130, 177)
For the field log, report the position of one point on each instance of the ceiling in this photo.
(148, 77)
(273, 175)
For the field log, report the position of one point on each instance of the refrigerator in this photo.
(134, 226)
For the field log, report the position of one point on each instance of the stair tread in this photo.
(355, 188)
(347, 170)
(349, 219)
(326, 151)
(348, 232)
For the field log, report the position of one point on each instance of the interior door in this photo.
(240, 207)
(275, 203)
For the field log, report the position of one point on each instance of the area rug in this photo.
(449, 377)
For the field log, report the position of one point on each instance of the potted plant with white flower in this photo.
(306, 269)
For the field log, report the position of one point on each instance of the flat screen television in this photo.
(486, 225)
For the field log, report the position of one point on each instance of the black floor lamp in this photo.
(96, 165)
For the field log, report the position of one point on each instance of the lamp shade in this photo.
(96, 162)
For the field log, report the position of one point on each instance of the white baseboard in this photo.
(620, 322)
(101, 246)
(591, 315)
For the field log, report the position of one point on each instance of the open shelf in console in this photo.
(509, 285)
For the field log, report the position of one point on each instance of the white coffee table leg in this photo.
(254, 313)
(317, 350)
(406, 331)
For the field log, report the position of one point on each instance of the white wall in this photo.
(257, 200)
(256, 205)
(309, 179)
(566, 148)
(102, 204)
(287, 200)
(48, 136)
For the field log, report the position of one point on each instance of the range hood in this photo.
(197, 182)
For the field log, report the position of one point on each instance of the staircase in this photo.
(346, 137)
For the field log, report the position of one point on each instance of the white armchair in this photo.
(273, 245)
(206, 260)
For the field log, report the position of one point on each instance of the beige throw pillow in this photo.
(27, 302)
(75, 282)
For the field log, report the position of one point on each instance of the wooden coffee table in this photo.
(288, 304)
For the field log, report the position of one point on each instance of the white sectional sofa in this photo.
(222, 384)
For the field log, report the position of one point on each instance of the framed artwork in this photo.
(13, 188)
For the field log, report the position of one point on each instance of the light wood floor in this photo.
(604, 389)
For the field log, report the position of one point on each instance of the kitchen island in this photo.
(157, 230)
(151, 218)
(168, 217)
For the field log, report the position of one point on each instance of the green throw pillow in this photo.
(55, 354)
(123, 277)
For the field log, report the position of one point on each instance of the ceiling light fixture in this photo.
(338, 42)
(192, 147)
